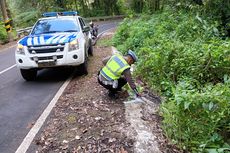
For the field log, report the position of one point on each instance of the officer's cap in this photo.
(133, 55)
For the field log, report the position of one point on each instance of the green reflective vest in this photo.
(114, 67)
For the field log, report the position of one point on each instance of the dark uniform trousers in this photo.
(121, 83)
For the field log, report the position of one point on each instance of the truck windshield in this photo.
(55, 25)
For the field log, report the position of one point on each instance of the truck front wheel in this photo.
(84, 67)
(90, 50)
(29, 74)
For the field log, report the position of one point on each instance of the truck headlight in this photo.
(73, 45)
(20, 49)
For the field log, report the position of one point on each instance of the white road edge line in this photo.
(32, 133)
(7, 69)
(41, 120)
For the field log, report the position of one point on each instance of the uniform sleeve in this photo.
(105, 60)
(129, 79)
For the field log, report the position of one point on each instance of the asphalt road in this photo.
(21, 102)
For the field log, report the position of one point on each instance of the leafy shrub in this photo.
(3, 34)
(26, 19)
(172, 46)
(182, 56)
(195, 118)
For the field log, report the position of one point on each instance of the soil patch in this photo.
(7, 45)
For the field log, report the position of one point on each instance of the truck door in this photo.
(86, 34)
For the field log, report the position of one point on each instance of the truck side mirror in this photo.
(86, 29)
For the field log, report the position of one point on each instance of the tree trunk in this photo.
(5, 17)
(9, 14)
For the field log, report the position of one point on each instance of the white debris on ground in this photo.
(139, 130)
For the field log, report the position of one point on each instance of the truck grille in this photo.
(46, 49)
(47, 58)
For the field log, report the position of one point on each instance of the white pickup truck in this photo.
(58, 39)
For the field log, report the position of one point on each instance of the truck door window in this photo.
(81, 23)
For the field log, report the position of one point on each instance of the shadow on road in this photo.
(56, 74)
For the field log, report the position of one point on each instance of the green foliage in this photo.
(24, 12)
(104, 42)
(183, 56)
(174, 46)
(196, 117)
(218, 10)
(27, 18)
(3, 34)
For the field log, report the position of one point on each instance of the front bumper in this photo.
(43, 60)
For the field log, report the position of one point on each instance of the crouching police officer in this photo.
(116, 73)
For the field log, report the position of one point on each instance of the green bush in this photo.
(183, 57)
(173, 46)
(26, 19)
(3, 34)
(198, 118)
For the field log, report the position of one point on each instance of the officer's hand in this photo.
(138, 95)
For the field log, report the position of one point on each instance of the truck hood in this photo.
(48, 39)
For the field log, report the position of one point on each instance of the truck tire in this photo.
(29, 74)
(90, 50)
(84, 67)
(94, 41)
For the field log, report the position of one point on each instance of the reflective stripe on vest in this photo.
(114, 67)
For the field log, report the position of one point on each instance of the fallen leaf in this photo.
(112, 140)
(98, 118)
(65, 141)
(77, 137)
(73, 129)
(64, 147)
(30, 125)
(85, 130)
(122, 150)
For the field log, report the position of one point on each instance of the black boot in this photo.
(113, 95)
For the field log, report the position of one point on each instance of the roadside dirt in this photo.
(8, 45)
(86, 120)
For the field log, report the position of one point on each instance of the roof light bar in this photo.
(49, 14)
(70, 13)
(53, 14)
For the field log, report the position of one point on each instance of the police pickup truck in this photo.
(58, 39)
